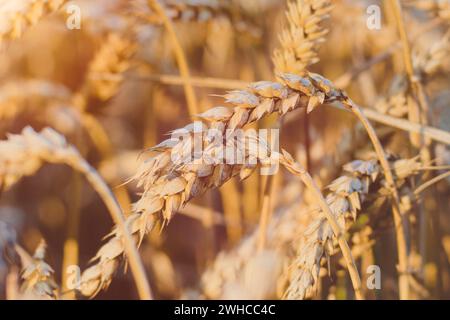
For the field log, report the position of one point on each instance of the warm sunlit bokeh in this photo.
(88, 87)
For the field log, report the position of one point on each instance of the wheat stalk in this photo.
(20, 14)
(22, 155)
(179, 55)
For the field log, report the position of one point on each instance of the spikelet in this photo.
(37, 276)
(18, 15)
(300, 40)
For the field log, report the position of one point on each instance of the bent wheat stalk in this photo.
(22, 155)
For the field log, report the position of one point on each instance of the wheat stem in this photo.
(265, 213)
(399, 220)
(416, 113)
(111, 203)
(430, 182)
(179, 55)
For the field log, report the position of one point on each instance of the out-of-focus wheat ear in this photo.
(301, 39)
(198, 12)
(37, 276)
(437, 8)
(18, 15)
(23, 154)
(339, 232)
(113, 58)
(428, 61)
(347, 197)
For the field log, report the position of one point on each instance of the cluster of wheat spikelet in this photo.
(17, 96)
(302, 224)
(24, 154)
(169, 184)
(112, 58)
(36, 280)
(440, 8)
(37, 275)
(427, 62)
(20, 14)
(347, 197)
(300, 41)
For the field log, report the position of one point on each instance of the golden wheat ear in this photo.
(37, 276)
(18, 15)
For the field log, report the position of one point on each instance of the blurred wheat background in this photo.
(364, 171)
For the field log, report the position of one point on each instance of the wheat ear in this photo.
(18, 15)
(37, 276)
(199, 12)
(303, 226)
(336, 228)
(347, 197)
(168, 184)
(438, 8)
(299, 42)
(22, 155)
(113, 57)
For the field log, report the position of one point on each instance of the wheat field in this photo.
(224, 149)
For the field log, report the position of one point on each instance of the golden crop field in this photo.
(224, 149)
